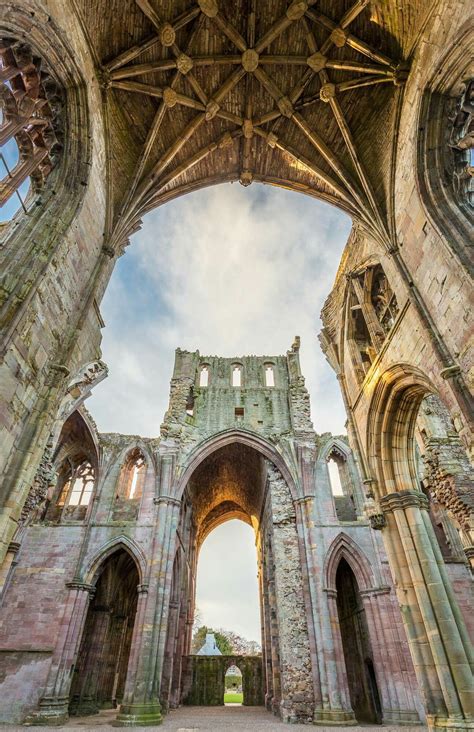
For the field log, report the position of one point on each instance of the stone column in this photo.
(297, 695)
(436, 633)
(141, 699)
(84, 699)
(390, 658)
(53, 706)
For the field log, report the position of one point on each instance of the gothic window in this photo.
(269, 375)
(204, 376)
(31, 125)
(372, 311)
(190, 403)
(77, 484)
(342, 485)
(132, 476)
(237, 375)
(462, 145)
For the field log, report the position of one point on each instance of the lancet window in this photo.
(31, 123)
(269, 375)
(236, 375)
(372, 311)
(204, 376)
(132, 476)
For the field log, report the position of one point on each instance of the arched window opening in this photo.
(74, 465)
(204, 376)
(77, 490)
(233, 694)
(9, 158)
(32, 121)
(358, 656)
(342, 486)
(130, 486)
(335, 478)
(237, 375)
(269, 375)
(372, 311)
(101, 669)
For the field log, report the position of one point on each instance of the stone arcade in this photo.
(119, 106)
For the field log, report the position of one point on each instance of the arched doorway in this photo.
(101, 669)
(237, 481)
(233, 693)
(362, 682)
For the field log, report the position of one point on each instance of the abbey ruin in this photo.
(118, 107)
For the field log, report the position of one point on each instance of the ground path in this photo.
(208, 719)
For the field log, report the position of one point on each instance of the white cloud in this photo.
(228, 271)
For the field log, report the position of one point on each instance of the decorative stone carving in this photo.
(339, 37)
(248, 129)
(170, 97)
(209, 7)
(212, 109)
(167, 35)
(184, 63)
(285, 107)
(316, 62)
(327, 92)
(246, 178)
(250, 60)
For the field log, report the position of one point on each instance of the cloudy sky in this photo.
(229, 271)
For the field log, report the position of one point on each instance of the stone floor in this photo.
(208, 719)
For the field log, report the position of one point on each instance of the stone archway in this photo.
(235, 479)
(440, 646)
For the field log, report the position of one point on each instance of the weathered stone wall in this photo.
(204, 679)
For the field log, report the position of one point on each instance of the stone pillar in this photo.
(332, 701)
(141, 699)
(438, 640)
(297, 696)
(85, 699)
(53, 706)
(390, 658)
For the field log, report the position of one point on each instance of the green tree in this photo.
(222, 642)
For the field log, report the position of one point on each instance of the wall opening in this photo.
(204, 376)
(269, 375)
(100, 673)
(361, 678)
(233, 694)
(237, 376)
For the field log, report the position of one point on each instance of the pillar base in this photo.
(52, 712)
(401, 716)
(139, 715)
(334, 717)
(458, 724)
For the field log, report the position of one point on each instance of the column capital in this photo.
(167, 499)
(79, 585)
(402, 500)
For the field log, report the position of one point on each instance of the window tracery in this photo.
(32, 106)
(78, 484)
(461, 142)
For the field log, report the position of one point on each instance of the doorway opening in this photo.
(101, 670)
(233, 694)
(362, 682)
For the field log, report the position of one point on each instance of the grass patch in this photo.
(233, 698)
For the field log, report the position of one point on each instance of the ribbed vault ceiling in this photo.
(300, 94)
